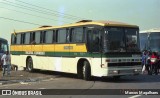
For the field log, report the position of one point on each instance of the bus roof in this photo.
(151, 30)
(2, 39)
(81, 23)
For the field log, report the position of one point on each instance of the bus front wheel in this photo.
(29, 66)
(86, 71)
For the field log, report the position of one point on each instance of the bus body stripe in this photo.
(69, 54)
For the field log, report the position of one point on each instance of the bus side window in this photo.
(37, 37)
(27, 38)
(42, 36)
(54, 40)
(68, 35)
(61, 36)
(77, 35)
(23, 38)
(32, 38)
(13, 39)
(18, 39)
(49, 36)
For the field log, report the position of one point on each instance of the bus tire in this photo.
(86, 71)
(29, 66)
(79, 72)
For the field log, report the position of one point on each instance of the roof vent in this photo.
(84, 21)
(45, 26)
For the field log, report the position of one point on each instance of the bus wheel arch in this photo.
(29, 64)
(84, 69)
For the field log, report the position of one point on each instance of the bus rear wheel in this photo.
(29, 66)
(86, 71)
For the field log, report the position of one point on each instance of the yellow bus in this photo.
(87, 48)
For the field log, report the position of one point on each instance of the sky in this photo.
(30, 14)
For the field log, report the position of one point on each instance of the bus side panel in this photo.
(18, 60)
(60, 64)
(26, 48)
(12, 48)
(44, 63)
(69, 65)
(62, 48)
(37, 48)
(80, 47)
(18, 47)
(96, 69)
(48, 48)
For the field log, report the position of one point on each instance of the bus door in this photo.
(93, 41)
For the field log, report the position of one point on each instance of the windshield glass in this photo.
(143, 41)
(119, 39)
(154, 41)
(3, 47)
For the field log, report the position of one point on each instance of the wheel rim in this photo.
(84, 71)
(29, 65)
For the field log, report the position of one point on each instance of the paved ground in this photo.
(23, 76)
(66, 82)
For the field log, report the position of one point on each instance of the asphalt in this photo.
(23, 76)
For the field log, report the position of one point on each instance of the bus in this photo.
(149, 40)
(3, 48)
(86, 48)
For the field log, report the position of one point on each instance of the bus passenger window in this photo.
(62, 36)
(37, 37)
(27, 38)
(23, 38)
(42, 36)
(77, 35)
(32, 38)
(49, 37)
(54, 36)
(13, 39)
(18, 39)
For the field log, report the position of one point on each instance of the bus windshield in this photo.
(143, 41)
(154, 41)
(3, 46)
(118, 39)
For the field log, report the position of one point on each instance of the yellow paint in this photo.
(26, 48)
(18, 48)
(51, 48)
(48, 48)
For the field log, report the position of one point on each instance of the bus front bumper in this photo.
(116, 71)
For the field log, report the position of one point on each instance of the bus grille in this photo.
(124, 64)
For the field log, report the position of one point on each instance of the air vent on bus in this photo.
(84, 21)
(45, 26)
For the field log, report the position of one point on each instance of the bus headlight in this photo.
(114, 72)
(137, 70)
